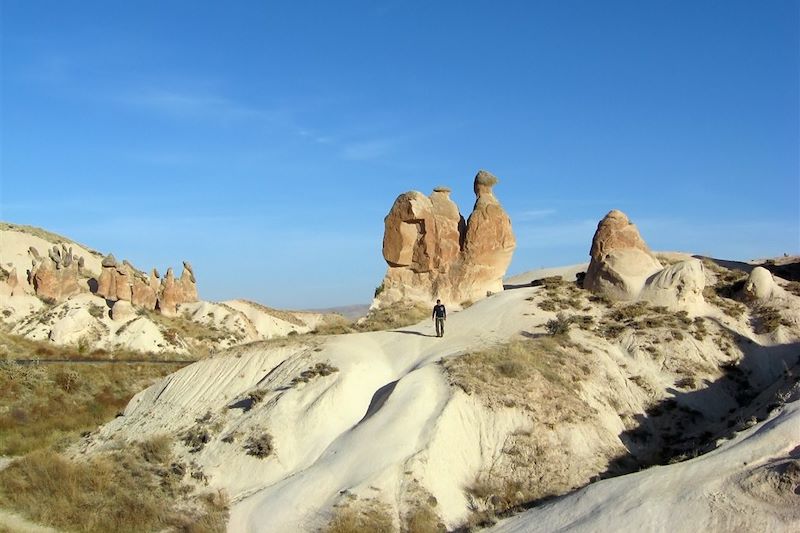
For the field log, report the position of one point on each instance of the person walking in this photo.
(439, 315)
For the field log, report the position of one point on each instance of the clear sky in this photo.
(265, 141)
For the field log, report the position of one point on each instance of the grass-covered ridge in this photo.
(43, 405)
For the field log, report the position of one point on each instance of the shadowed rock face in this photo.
(433, 253)
(621, 261)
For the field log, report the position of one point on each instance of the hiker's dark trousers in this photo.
(439, 326)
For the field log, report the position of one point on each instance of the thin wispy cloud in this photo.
(534, 214)
(184, 104)
(364, 150)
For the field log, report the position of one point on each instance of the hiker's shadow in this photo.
(411, 333)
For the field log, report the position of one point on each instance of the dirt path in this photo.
(17, 524)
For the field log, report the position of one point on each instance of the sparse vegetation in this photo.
(559, 295)
(559, 325)
(45, 405)
(318, 370)
(130, 489)
(362, 516)
(255, 396)
(793, 287)
(393, 316)
(98, 311)
(389, 317)
(640, 316)
(767, 319)
(510, 374)
(180, 331)
(259, 445)
(196, 437)
(21, 348)
(699, 330)
(43, 234)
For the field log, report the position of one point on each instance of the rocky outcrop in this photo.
(677, 286)
(433, 253)
(620, 262)
(143, 292)
(55, 276)
(760, 286)
(122, 311)
(174, 292)
(11, 285)
(124, 282)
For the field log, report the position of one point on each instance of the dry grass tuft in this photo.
(131, 489)
(259, 445)
(359, 517)
(421, 518)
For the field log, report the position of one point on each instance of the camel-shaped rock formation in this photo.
(433, 253)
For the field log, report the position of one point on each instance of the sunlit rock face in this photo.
(433, 253)
(621, 261)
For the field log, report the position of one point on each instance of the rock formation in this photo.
(55, 276)
(122, 310)
(433, 253)
(11, 285)
(174, 292)
(677, 286)
(124, 282)
(760, 286)
(621, 261)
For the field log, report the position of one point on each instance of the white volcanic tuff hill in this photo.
(14, 245)
(85, 319)
(387, 424)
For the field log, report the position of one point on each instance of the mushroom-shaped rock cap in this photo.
(442, 188)
(616, 215)
(109, 261)
(484, 181)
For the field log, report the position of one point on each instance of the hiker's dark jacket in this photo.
(439, 311)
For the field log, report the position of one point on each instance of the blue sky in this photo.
(266, 141)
